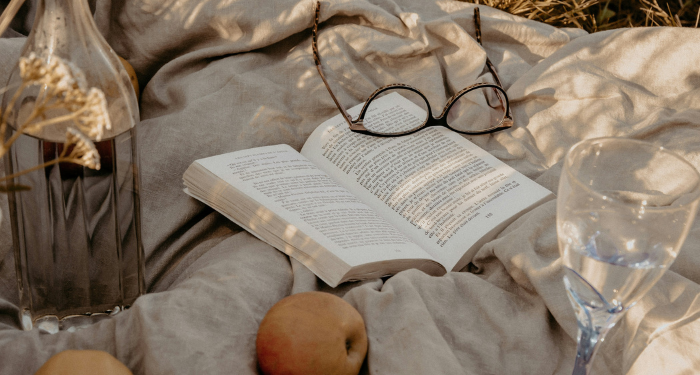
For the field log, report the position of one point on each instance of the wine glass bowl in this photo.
(624, 208)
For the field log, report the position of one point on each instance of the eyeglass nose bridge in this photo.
(441, 120)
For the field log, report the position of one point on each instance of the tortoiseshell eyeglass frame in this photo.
(357, 125)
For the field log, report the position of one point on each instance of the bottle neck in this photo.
(66, 29)
(60, 23)
(57, 7)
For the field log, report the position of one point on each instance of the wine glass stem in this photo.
(588, 341)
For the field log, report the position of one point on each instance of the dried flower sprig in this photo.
(78, 149)
(63, 97)
(62, 86)
(83, 152)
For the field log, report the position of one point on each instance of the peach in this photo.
(311, 333)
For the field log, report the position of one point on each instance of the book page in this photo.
(288, 184)
(441, 190)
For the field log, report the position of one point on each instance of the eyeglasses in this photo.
(481, 108)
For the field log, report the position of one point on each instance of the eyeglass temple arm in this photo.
(317, 60)
(346, 115)
(489, 64)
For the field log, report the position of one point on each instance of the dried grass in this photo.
(598, 15)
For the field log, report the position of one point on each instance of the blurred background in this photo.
(590, 15)
(600, 15)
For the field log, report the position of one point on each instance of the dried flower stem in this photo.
(34, 168)
(9, 13)
(73, 157)
(8, 110)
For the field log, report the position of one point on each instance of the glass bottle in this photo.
(76, 231)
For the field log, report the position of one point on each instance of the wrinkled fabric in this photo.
(224, 75)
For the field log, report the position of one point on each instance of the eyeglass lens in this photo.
(380, 119)
(476, 110)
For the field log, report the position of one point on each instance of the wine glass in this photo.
(624, 208)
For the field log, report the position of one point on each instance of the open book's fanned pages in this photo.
(282, 198)
(439, 189)
(353, 206)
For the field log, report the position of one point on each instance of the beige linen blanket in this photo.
(224, 75)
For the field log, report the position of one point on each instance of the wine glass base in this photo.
(53, 324)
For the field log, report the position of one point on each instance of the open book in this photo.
(353, 206)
